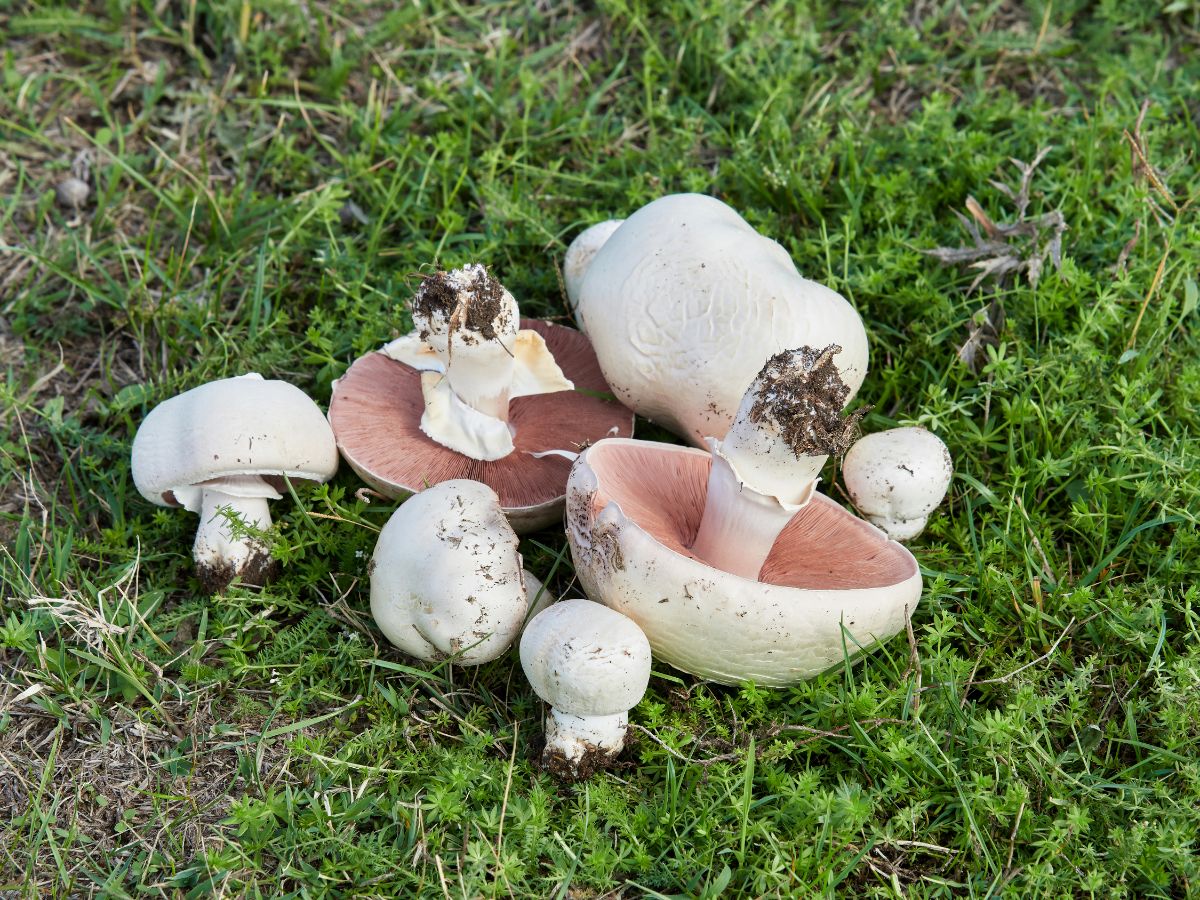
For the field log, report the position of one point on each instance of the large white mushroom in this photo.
(223, 450)
(684, 301)
(592, 665)
(446, 577)
(898, 477)
(475, 392)
(731, 562)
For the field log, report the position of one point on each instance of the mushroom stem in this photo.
(475, 358)
(765, 470)
(740, 524)
(573, 740)
(224, 551)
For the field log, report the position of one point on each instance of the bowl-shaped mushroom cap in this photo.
(586, 659)
(376, 414)
(832, 584)
(446, 576)
(686, 301)
(901, 473)
(236, 426)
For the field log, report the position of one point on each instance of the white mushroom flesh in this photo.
(475, 358)
(898, 477)
(685, 301)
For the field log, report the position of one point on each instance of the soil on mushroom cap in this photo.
(483, 296)
(802, 394)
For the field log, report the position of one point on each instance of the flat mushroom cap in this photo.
(236, 426)
(586, 659)
(633, 508)
(376, 415)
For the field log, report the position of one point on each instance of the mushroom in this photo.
(223, 450)
(732, 563)
(592, 665)
(765, 469)
(475, 392)
(685, 301)
(446, 577)
(579, 256)
(898, 477)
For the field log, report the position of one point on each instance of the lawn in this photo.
(268, 182)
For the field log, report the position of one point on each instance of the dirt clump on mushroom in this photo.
(470, 298)
(802, 394)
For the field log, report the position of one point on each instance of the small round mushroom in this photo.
(579, 256)
(898, 477)
(446, 577)
(223, 450)
(475, 392)
(685, 300)
(72, 193)
(592, 665)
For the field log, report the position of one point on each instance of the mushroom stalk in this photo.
(474, 359)
(765, 470)
(570, 737)
(224, 550)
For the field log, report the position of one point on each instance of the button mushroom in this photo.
(685, 301)
(898, 477)
(579, 257)
(223, 450)
(474, 392)
(592, 665)
(446, 577)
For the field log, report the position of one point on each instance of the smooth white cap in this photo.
(586, 659)
(579, 256)
(233, 427)
(898, 477)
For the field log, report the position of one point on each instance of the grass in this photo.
(1035, 737)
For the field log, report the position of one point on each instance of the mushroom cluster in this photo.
(723, 560)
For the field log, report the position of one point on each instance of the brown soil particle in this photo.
(469, 296)
(260, 569)
(801, 393)
(594, 759)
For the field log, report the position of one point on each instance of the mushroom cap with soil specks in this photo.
(685, 301)
(446, 578)
(592, 665)
(832, 583)
(376, 412)
(898, 477)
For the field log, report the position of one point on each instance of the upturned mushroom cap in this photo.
(586, 659)
(831, 585)
(685, 301)
(897, 478)
(233, 427)
(446, 576)
(376, 412)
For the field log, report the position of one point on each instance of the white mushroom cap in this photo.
(586, 659)
(237, 426)
(221, 450)
(446, 576)
(897, 478)
(579, 256)
(686, 301)
(592, 665)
